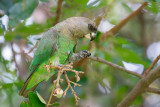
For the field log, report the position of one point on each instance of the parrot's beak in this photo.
(91, 36)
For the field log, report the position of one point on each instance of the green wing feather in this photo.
(46, 48)
(46, 51)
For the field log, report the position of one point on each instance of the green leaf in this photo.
(21, 11)
(41, 98)
(1, 31)
(5, 5)
(35, 102)
(97, 36)
(152, 0)
(44, 0)
(128, 52)
(154, 7)
(56, 104)
(25, 104)
(126, 7)
(23, 31)
(6, 86)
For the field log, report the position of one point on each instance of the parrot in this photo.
(58, 45)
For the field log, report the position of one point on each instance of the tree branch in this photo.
(69, 86)
(152, 65)
(14, 57)
(141, 86)
(114, 65)
(123, 22)
(58, 11)
(152, 90)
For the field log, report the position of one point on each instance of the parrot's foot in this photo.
(84, 54)
(81, 55)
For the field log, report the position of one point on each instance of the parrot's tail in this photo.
(23, 92)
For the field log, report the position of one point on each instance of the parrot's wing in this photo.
(57, 56)
(46, 48)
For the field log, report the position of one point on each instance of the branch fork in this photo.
(63, 69)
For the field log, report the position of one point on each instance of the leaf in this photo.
(1, 31)
(127, 51)
(56, 104)
(126, 7)
(97, 36)
(5, 5)
(152, 0)
(154, 7)
(35, 102)
(40, 98)
(44, 0)
(21, 11)
(38, 101)
(25, 104)
(25, 31)
(6, 86)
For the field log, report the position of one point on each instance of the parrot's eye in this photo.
(92, 28)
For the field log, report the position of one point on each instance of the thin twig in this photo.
(152, 65)
(62, 69)
(69, 86)
(153, 90)
(29, 58)
(58, 11)
(114, 65)
(14, 57)
(123, 22)
(35, 46)
(50, 98)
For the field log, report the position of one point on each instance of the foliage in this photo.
(35, 101)
(101, 84)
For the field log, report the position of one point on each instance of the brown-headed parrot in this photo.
(58, 45)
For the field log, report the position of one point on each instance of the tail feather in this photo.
(23, 92)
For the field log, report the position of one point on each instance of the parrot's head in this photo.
(82, 27)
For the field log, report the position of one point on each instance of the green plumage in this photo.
(57, 44)
(47, 50)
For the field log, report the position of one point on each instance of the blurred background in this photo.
(135, 46)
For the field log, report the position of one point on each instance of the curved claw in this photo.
(85, 54)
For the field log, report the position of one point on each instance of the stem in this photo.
(149, 89)
(58, 11)
(114, 65)
(123, 22)
(152, 65)
(50, 98)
